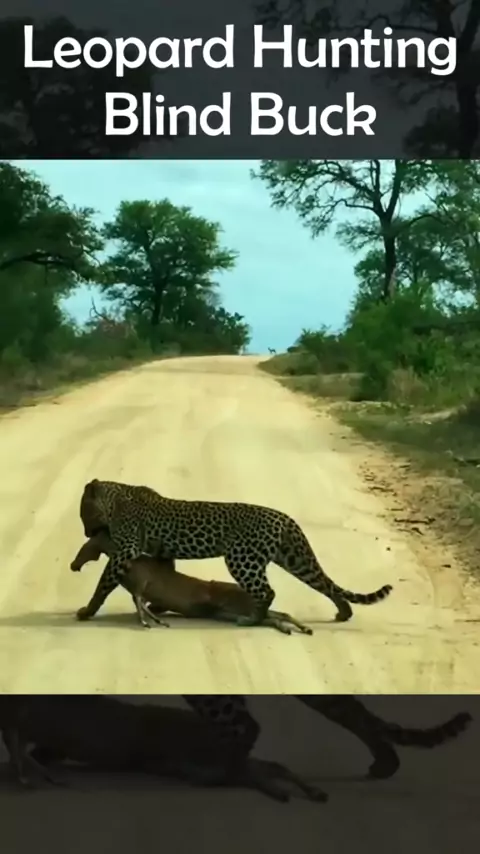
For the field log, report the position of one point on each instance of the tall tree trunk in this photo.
(155, 318)
(155, 315)
(390, 250)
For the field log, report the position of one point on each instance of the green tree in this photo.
(40, 229)
(456, 228)
(163, 261)
(229, 331)
(46, 250)
(321, 190)
(29, 311)
(160, 273)
(441, 250)
(424, 261)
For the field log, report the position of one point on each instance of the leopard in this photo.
(105, 734)
(158, 588)
(248, 536)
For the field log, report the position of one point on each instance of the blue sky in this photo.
(283, 280)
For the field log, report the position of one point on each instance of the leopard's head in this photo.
(97, 506)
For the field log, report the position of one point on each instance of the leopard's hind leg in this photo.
(249, 569)
(298, 559)
(350, 713)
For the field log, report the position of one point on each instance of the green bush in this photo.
(297, 364)
(13, 361)
(395, 353)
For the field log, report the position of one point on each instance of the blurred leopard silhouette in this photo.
(230, 713)
(95, 731)
(108, 735)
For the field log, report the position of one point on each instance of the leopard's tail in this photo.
(297, 557)
(328, 587)
(350, 712)
(431, 736)
(364, 598)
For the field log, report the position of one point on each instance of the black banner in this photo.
(251, 79)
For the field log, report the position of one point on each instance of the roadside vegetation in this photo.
(404, 370)
(153, 269)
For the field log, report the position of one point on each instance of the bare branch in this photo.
(100, 315)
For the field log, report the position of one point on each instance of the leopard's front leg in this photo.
(13, 734)
(106, 585)
(110, 578)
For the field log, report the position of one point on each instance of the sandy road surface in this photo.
(430, 806)
(213, 428)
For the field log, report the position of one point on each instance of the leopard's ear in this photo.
(92, 489)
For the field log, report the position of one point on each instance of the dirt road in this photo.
(214, 428)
